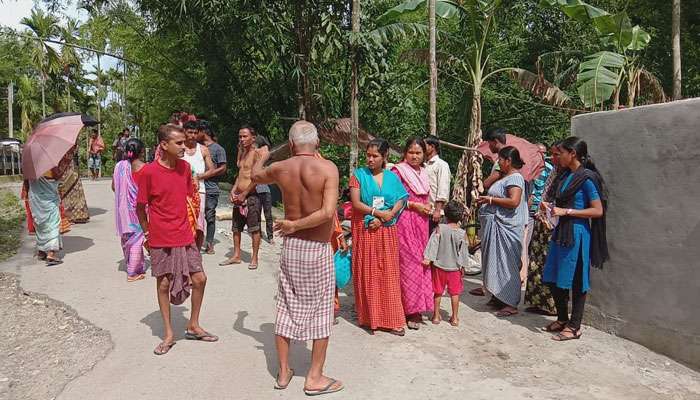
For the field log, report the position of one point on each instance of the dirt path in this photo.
(485, 358)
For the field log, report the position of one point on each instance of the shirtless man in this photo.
(307, 281)
(245, 200)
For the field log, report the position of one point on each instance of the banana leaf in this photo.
(598, 77)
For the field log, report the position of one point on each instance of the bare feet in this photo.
(324, 385)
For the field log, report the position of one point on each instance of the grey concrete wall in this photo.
(650, 290)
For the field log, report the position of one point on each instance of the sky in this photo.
(12, 12)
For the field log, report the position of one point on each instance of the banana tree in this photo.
(478, 19)
(602, 75)
(45, 58)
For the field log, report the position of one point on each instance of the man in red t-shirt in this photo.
(175, 259)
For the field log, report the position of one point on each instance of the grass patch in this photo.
(11, 222)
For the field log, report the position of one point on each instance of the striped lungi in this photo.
(306, 290)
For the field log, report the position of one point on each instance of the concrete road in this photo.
(484, 358)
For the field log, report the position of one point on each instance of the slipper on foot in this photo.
(204, 336)
(229, 262)
(52, 262)
(252, 266)
(325, 390)
(506, 313)
(163, 348)
(135, 278)
(278, 386)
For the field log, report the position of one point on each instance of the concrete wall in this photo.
(650, 290)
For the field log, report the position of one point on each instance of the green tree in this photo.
(45, 58)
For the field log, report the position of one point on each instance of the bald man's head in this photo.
(303, 133)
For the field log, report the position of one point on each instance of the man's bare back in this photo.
(305, 181)
(309, 187)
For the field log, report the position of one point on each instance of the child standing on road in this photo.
(448, 253)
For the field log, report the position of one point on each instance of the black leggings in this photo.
(578, 300)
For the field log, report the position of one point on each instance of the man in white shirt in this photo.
(439, 174)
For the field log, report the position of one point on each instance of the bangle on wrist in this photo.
(490, 200)
(373, 210)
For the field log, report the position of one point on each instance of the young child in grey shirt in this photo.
(448, 253)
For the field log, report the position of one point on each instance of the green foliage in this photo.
(260, 62)
(599, 76)
(11, 218)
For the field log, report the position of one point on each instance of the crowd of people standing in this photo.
(408, 242)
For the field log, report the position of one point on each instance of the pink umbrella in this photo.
(50, 141)
(529, 153)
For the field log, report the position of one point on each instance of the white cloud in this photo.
(12, 11)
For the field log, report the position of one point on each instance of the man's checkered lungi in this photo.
(306, 290)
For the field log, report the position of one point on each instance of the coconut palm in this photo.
(29, 107)
(45, 58)
(70, 58)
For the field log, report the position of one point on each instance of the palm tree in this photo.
(44, 57)
(70, 59)
(26, 91)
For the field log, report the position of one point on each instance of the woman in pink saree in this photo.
(416, 279)
(125, 186)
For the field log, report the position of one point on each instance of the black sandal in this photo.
(556, 326)
(560, 337)
(52, 262)
(398, 332)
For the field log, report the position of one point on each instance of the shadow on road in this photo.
(94, 211)
(299, 354)
(74, 244)
(531, 321)
(177, 317)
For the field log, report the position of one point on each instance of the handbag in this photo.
(343, 269)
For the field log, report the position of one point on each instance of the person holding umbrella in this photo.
(45, 158)
(45, 202)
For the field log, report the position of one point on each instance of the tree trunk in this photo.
(468, 181)
(99, 96)
(433, 70)
(354, 89)
(676, 38)
(124, 95)
(43, 97)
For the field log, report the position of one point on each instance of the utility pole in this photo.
(10, 100)
(433, 70)
(354, 89)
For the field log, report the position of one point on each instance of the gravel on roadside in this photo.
(44, 344)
